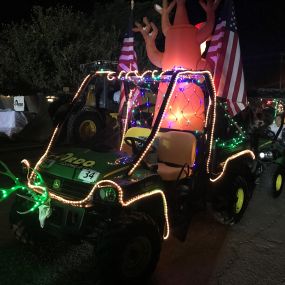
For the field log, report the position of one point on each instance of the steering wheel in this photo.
(135, 143)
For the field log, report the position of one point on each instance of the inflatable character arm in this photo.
(164, 12)
(209, 7)
(149, 33)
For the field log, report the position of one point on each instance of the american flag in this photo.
(224, 51)
(128, 62)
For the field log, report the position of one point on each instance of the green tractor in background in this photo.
(268, 137)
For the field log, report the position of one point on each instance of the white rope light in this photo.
(225, 163)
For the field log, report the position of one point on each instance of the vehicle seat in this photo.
(176, 155)
(134, 132)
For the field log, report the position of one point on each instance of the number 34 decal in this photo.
(88, 175)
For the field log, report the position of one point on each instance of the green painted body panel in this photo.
(69, 163)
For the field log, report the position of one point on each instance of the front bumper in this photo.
(65, 220)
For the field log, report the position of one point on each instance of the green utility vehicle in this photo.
(269, 138)
(126, 199)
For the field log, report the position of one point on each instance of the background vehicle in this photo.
(269, 138)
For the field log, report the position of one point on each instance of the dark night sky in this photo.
(261, 26)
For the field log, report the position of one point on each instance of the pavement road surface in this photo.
(250, 252)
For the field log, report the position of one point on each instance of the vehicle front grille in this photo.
(68, 189)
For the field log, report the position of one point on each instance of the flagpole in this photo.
(132, 8)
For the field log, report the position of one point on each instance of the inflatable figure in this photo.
(182, 50)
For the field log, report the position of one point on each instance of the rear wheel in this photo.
(85, 126)
(94, 129)
(128, 249)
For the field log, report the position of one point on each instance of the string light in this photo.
(38, 200)
(235, 141)
(157, 130)
(82, 85)
(185, 104)
(213, 106)
(85, 202)
(46, 151)
(180, 117)
(126, 119)
(123, 75)
(181, 73)
(225, 163)
(110, 76)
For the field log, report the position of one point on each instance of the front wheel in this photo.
(128, 249)
(232, 200)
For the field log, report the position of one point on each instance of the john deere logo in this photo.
(56, 184)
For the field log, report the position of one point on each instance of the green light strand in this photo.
(276, 102)
(5, 193)
(233, 142)
(38, 199)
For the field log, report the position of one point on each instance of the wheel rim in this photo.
(87, 129)
(136, 256)
(278, 182)
(240, 200)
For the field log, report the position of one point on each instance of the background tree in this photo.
(104, 15)
(44, 54)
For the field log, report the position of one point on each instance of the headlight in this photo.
(266, 155)
(108, 194)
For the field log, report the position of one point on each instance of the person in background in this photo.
(274, 127)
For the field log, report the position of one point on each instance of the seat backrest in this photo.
(138, 132)
(177, 148)
(135, 132)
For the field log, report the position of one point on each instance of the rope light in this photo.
(225, 163)
(126, 119)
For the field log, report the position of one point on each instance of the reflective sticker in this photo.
(88, 175)
(66, 156)
(89, 163)
(70, 158)
(79, 161)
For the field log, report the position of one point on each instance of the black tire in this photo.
(85, 126)
(26, 227)
(102, 130)
(275, 177)
(129, 247)
(231, 200)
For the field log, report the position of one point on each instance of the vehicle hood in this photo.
(85, 165)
